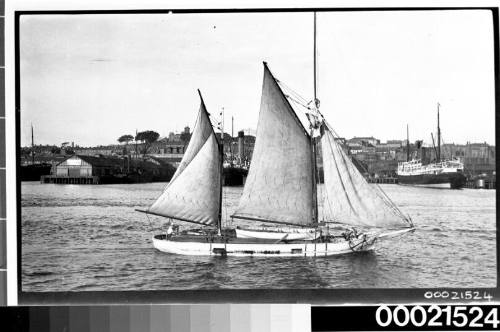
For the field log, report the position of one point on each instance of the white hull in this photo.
(431, 185)
(264, 249)
(434, 185)
(289, 235)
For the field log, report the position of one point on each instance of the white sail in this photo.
(202, 129)
(279, 183)
(194, 193)
(347, 197)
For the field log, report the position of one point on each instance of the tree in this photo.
(148, 137)
(69, 151)
(125, 139)
(185, 137)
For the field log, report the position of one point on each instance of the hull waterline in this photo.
(255, 249)
(443, 180)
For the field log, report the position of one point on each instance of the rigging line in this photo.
(296, 94)
(292, 91)
(297, 102)
(214, 119)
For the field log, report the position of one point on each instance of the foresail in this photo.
(279, 183)
(347, 197)
(195, 194)
(201, 132)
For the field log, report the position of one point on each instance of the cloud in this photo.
(101, 60)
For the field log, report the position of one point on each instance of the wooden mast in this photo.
(316, 102)
(219, 222)
(313, 140)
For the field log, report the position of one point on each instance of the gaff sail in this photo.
(347, 197)
(279, 184)
(193, 194)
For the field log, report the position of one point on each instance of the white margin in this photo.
(12, 5)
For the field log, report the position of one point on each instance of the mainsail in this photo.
(279, 184)
(193, 194)
(347, 197)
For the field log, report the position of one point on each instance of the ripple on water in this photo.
(90, 238)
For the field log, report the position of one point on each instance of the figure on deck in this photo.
(170, 229)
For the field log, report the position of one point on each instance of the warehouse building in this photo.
(81, 169)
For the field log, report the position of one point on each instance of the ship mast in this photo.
(316, 101)
(32, 146)
(434, 145)
(231, 142)
(438, 140)
(313, 139)
(407, 143)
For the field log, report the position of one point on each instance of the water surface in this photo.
(84, 237)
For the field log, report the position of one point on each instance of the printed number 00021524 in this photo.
(458, 295)
(432, 316)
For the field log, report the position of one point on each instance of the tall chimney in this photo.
(241, 146)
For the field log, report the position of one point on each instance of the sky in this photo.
(89, 79)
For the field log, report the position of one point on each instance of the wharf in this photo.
(69, 179)
(489, 182)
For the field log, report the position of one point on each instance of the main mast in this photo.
(219, 220)
(313, 139)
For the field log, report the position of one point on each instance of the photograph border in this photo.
(313, 296)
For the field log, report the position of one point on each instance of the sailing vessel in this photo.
(442, 173)
(280, 189)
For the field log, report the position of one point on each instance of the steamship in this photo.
(443, 173)
(235, 170)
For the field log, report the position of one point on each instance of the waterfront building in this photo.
(365, 140)
(84, 169)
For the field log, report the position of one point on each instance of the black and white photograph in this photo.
(258, 149)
